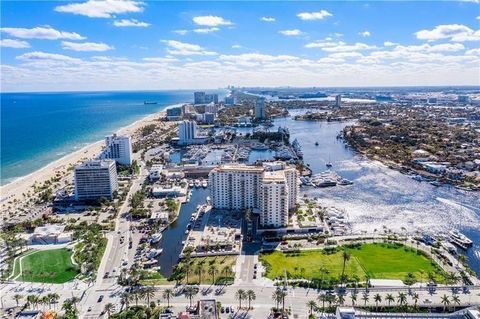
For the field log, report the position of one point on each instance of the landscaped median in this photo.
(355, 262)
(47, 266)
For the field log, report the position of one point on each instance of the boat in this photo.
(417, 178)
(197, 183)
(329, 164)
(449, 247)
(436, 183)
(327, 183)
(259, 147)
(149, 102)
(316, 143)
(460, 239)
(186, 231)
(345, 181)
(204, 184)
(191, 185)
(154, 253)
(155, 238)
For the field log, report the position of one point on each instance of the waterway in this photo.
(379, 198)
(175, 233)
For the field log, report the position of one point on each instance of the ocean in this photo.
(39, 128)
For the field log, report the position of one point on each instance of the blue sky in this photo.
(103, 45)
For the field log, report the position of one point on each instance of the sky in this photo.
(153, 45)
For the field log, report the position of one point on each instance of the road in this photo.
(116, 253)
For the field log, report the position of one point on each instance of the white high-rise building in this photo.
(118, 148)
(187, 132)
(260, 112)
(95, 179)
(272, 188)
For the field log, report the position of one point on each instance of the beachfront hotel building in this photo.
(271, 190)
(118, 148)
(95, 179)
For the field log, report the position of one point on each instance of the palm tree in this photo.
(276, 297)
(390, 299)
(125, 299)
(199, 271)
(456, 301)
(365, 298)
(353, 296)
(53, 298)
(341, 299)
(322, 297)
(32, 301)
(148, 293)
(402, 298)
(17, 298)
(212, 270)
(167, 294)
(346, 257)
(135, 295)
(415, 298)
(445, 301)
(240, 295)
(250, 294)
(378, 299)
(311, 305)
(108, 309)
(190, 292)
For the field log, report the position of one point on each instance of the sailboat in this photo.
(329, 164)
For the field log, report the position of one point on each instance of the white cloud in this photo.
(473, 52)
(15, 44)
(211, 21)
(86, 46)
(181, 32)
(160, 59)
(130, 23)
(293, 32)
(364, 34)
(101, 8)
(323, 44)
(46, 33)
(256, 57)
(444, 47)
(308, 16)
(182, 48)
(389, 44)
(478, 18)
(347, 48)
(343, 55)
(268, 19)
(236, 46)
(206, 30)
(454, 32)
(38, 55)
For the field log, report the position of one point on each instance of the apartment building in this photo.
(95, 179)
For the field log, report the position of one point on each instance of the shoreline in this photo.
(17, 187)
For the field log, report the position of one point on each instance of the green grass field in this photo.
(48, 266)
(379, 261)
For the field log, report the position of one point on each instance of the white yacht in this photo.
(460, 239)
(155, 238)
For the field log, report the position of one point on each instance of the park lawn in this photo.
(220, 263)
(308, 263)
(379, 261)
(48, 266)
(394, 261)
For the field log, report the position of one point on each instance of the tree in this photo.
(279, 297)
(108, 309)
(190, 292)
(148, 293)
(389, 298)
(346, 257)
(125, 299)
(199, 271)
(17, 298)
(250, 294)
(456, 301)
(445, 302)
(240, 295)
(353, 296)
(212, 270)
(377, 298)
(415, 298)
(167, 294)
(365, 298)
(341, 299)
(311, 305)
(402, 298)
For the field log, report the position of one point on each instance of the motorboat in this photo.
(316, 143)
(345, 181)
(460, 239)
(329, 164)
(198, 183)
(155, 238)
(154, 253)
(327, 183)
(191, 184)
(204, 184)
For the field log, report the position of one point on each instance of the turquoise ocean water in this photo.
(39, 128)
